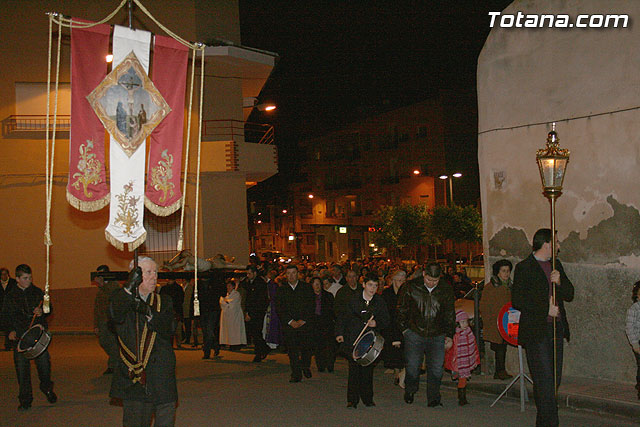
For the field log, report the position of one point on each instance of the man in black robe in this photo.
(295, 304)
(144, 380)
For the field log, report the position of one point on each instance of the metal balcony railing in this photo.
(258, 133)
(34, 123)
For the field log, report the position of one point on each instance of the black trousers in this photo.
(23, 372)
(138, 413)
(360, 383)
(210, 323)
(501, 355)
(540, 362)
(637, 356)
(254, 331)
(324, 349)
(299, 350)
(191, 324)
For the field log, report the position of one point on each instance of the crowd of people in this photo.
(316, 310)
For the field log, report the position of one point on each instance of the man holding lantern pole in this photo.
(542, 316)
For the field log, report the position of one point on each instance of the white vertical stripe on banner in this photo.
(127, 173)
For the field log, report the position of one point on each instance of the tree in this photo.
(457, 223)
(399, 227)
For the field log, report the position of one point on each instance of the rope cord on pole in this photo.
(196, 302)
(186, 157)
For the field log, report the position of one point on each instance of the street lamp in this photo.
(552, 163)
(450, 178)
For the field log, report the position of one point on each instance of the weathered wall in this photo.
(587, 81)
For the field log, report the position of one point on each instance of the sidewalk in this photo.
(601, 396)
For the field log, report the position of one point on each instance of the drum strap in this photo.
(137, 367)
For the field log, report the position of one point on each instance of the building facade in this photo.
(388, 159)
(231, 159)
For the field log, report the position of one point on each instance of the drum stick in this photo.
(33, 319)
(364, 329)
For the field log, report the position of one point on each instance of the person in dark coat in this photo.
(21, 307)
(295, 304)
(7, 283)
(145, 382)
(210, 290)
(323, 327)
(364, 308)
(532, 294)
(392, 353)
(101, 323)
(256, 303)
(426, 316)
(175, 291)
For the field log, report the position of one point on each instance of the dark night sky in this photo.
(344, 60)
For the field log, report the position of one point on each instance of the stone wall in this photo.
(587, 81)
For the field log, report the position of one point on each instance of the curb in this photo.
(567, 399)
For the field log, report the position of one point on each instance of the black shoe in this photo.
(330, 370)
(307, 373)
(369, 404)
(108, 371)
(258, 358)
(462, 397)
(51, 396)
(434, 403)
(24, 407)
(295, 379)
(408, 397)
(206, 356)
(352, 405)
(216, 353)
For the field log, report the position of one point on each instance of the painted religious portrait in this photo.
(128, 104)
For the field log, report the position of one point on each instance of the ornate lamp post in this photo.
(552, 162)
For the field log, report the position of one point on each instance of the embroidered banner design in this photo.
(163, 193)
(130, 107)
(87, 188)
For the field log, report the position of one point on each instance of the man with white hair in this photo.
(145, 377)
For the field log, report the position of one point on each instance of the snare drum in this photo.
(34, 341)
(367, 349)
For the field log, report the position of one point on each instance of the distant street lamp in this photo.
(310, 196)
(552, 163)
(450, 178)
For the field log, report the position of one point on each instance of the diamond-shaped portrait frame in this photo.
(128, 104)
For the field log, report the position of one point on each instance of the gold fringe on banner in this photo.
(162, 210)
(120, 245)
(115, 242)
(83, 206)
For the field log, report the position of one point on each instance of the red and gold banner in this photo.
(87, 189)
(163, 192)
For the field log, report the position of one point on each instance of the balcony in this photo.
(238, 131)
(34, 126)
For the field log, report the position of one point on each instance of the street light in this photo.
(450, 178)
(552, 163)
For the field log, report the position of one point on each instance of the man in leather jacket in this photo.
(426, 316)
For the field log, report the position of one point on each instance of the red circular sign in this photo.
(508, 322)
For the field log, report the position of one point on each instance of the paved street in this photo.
(235, 392)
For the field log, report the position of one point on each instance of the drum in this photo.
(367, 349)
(34, 341)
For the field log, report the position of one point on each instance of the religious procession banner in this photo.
(130, 107)
(87, 188)
(163, 193)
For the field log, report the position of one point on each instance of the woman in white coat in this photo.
(232, 331)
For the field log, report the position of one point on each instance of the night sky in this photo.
(341, 61)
